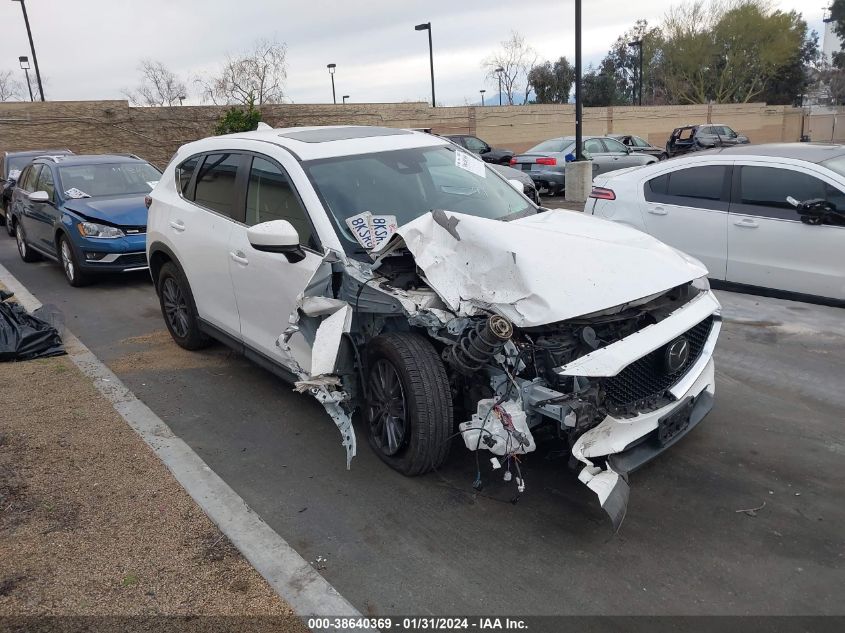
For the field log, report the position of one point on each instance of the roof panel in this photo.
(326, 134)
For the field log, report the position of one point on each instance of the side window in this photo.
(474, 144)
(216, 181)
(45, 182)
(639, 142)
(656, 186)
(700, 187)
(770, 186)
(31, 178)
(593, 146)
(22, 177)
(184, 173)
(614, 145)
(271, 196)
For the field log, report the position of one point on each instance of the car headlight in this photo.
(702, 283)
(92, 229)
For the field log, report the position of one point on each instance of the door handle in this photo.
(239, 257)
(658, 211)
(747, 223)
(178, 225)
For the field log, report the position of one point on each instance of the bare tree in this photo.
(10, 89)
(159, 86)
(258, 75)
(516, 59)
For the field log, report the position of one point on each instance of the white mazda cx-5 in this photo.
(391, 271)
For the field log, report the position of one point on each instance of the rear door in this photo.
(621, 155)
(688, 209)
(769, 246)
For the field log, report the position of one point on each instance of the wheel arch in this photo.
(159, 255)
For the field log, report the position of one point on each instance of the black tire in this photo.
(70, 263)
(178, 308)
(426, 417)
(27, 254)
(663, 156)
(10, 225)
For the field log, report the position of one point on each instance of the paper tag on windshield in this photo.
(470, 164)
(372, 230)
(73, 192)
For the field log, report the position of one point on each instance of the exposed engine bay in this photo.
(605, 382)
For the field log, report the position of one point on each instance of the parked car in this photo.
(640, 145)
(393, 272)
(11, 167)
(528, 186)
(694, 138)
(88, 213)
(477, 146)
(546, 162)
(738, 210)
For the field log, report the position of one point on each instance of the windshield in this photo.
(554, 145)
(17, 163)
(108, 179)
(408, 183)
(835, 164)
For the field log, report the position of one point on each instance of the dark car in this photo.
(12, 165)
(639, 145)
(477, 146)
(694, 138)
(88, 213)
(529, 188)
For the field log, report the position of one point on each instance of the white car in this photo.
(392, 271)
(759, 216)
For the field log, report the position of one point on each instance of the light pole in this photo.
(24, 60)
(32, 48)
(331, 68)
(639, 74)
(345, 97)
(427, 27)
(482, 91)
(181, 98)
(499, 72)
(579, 137)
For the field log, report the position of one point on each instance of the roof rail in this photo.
(53, 157)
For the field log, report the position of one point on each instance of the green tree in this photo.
(625, 60)
(239, 119)
(793, 79)
(599, 86)
(552, 82)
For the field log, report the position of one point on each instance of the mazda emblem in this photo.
(676, 355)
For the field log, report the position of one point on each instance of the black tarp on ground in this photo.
(24, 336)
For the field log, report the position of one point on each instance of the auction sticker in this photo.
(470, 164)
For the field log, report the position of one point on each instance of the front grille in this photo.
(646, 380)
(132, 259)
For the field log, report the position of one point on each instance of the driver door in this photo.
(267, 286)
(769, 246)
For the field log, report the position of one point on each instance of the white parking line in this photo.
(290, 575)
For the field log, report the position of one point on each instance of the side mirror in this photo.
(516, 184)
(39, 196)
(276, 236)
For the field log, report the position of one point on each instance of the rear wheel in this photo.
(27, 254)
(409, 403)
(178, 308)
(74, 275)
(10, 225)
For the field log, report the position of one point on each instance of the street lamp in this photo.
(331, 68)
(24, 60)
(181, 98)
(482, 91)
(639, 45)
(499, 72)
(345, 97)
(32, 48)
(427, 27)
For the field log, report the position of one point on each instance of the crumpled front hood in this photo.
(116, 210)
(542, 268)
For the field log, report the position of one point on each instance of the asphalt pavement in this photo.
(429, 545)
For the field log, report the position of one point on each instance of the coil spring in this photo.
(479, 345)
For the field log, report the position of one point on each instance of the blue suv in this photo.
(88, 213)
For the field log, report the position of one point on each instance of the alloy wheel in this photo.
(175, 307)
(20, 240)
(67, 261)
(387, 413)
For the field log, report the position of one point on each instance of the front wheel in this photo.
(74, 275)
(409, 403)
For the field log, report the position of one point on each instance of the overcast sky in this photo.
(90, 49)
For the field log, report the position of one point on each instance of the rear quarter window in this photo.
(702, 186)
(184, 172)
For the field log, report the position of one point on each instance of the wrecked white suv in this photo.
(391, 272)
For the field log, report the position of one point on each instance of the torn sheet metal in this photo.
(534, 270)
(328, 340)
(611, 489)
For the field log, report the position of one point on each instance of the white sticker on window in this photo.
(371, 230)
(470, 164)
(73, 192)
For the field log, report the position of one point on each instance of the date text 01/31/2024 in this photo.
(416, 623)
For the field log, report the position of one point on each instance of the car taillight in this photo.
(513, 161)
(602, 193)
(546, 161)
(147, 201)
